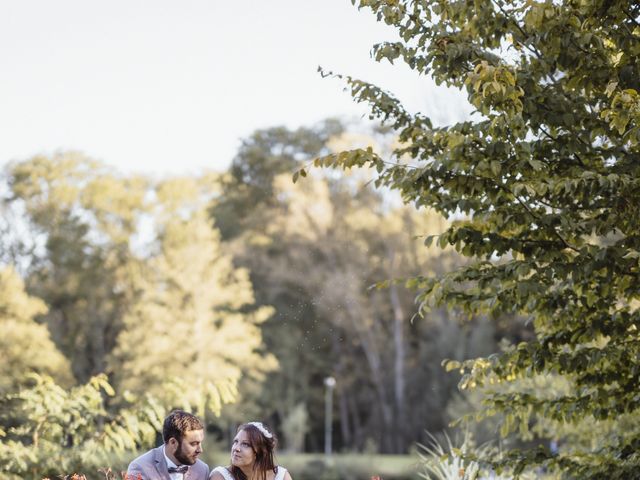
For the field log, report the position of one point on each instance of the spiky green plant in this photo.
(444, 461)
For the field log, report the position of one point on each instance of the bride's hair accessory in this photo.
(262, 429)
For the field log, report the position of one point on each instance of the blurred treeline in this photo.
(184, 288)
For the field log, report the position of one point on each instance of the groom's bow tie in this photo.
(181, 469)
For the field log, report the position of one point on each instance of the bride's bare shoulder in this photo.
(219, 473)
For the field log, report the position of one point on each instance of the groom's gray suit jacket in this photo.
(153, 466)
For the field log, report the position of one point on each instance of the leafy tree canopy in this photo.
(78, 219)
(261, 157)
(191, 331)
(26, 344)
(546, 174)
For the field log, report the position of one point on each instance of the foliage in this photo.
(443, 461)
(449, 464)
(52, 429)
(127, 267)
(25, 344)
(326, 242)
(544, 183)
(261, 157)
(191, 331)
(81, 218)
(136, 282)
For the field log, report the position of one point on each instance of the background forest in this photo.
(234, 294)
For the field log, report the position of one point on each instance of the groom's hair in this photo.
(179, 422)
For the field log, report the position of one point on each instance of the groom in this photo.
(177, 459)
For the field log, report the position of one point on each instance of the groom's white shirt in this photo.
(174, 476)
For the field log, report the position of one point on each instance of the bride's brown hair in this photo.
(263, 447)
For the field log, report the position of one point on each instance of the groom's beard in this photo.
(183, 458)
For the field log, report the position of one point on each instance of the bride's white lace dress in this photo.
(226, 474)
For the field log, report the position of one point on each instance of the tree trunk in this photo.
(345, 428)
(398, 367)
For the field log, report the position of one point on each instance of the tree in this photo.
(261, 157)
(81, 218)
(327, 242)
(191, 331)
(112, 253)
(546, 174)
(26, 344)
(313, 252)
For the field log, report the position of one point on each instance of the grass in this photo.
(349, 466)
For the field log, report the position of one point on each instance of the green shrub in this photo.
(48, 430)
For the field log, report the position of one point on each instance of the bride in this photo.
(252, 456)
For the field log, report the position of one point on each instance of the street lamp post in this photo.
(330, 383)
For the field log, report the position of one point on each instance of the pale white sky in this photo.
(168, 86)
